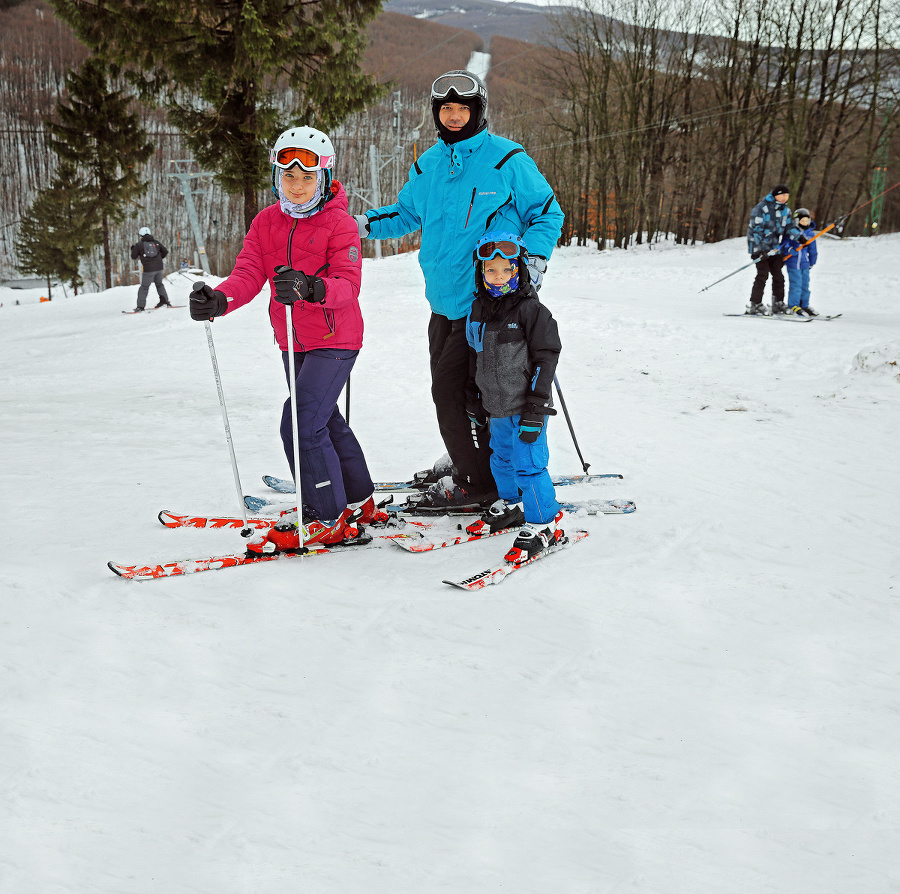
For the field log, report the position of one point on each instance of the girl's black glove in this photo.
(207, 303)
(294, 285)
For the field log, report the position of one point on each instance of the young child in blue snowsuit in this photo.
(516, 348)
(800, 262)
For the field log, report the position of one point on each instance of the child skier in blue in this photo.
(799, 263)
(516, 348)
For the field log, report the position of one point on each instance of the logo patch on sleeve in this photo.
(354, 254)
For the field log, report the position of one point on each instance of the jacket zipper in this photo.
(470, 206)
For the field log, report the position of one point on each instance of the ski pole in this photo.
(562, 401)
(728, 276)
(246, 532)
(294, 429)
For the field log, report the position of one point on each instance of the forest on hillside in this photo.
(651, 121)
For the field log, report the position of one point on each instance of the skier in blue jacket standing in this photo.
(769, 221)
(469, 182)
(801, 256)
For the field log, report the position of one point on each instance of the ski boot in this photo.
(779, 307)
(756, 309)
(373, 515)
(284, 537)
(427, 477)
(500, 515)
(534, 538)
(809, 311)
(447, 493)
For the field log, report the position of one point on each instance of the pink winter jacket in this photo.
(328, 237)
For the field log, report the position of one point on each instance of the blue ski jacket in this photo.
(769, 221)
(455, 194)
(806, 257)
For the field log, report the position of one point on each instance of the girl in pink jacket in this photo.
(306, 247)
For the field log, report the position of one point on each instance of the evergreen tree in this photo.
(95, 132)
(56, 232)
(233, 73)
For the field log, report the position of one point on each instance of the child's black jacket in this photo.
(517, 347)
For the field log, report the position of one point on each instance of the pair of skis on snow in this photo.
(788, 318)
(413, 507)
(412, 535)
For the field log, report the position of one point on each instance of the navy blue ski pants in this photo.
(333, 470)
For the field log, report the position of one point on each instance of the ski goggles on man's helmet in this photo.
(506, 248)
(306, 158)
(462, 85)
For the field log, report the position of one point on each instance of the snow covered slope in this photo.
(700, 697)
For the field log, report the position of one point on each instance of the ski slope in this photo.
(699, 697)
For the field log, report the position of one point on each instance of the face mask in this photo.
(505, 289)
(308, 208)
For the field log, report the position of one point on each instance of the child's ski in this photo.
(423, 543)
(498, 573)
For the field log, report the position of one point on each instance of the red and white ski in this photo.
(498, 573)
(259, 522)
(214, 563)
(423, 543)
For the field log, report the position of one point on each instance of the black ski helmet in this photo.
(802, 212)
(466, 88)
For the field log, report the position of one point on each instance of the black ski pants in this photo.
(764, 266)
(469, 451)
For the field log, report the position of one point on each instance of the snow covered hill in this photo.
(700, 697)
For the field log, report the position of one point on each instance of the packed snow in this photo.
(699, 697)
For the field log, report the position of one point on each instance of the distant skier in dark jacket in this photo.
(769, 221)
(799, 260)
(150, 252)
(517, 347)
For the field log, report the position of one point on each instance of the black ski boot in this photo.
(500, 515)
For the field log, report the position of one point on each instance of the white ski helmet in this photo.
(307, 147)
(144, 231)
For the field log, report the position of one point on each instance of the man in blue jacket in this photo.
(769, 221)
(469, 182)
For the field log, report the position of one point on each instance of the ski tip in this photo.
(116, 569)
(453, 583)
(166, 519)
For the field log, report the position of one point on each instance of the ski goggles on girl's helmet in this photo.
(304, 146)
(459, 82)
(507, 245)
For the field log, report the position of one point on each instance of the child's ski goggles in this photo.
(505, 248)
(461, 84)
(306, 158)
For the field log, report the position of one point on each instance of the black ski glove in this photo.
(531, 423)
(294, 285)
(207, 303)
(757, 254)
(474, 409)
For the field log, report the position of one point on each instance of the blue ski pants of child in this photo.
(521, 468)
(798, 287)
(333, 470)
